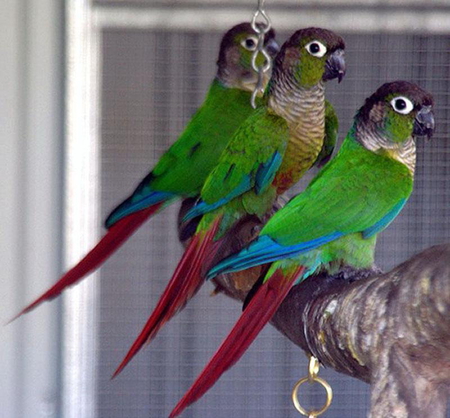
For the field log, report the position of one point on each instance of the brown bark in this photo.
(391, 330)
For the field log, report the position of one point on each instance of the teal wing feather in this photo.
(266, 172)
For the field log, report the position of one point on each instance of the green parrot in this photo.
(268, 154)
(335, 221)
(183, 168)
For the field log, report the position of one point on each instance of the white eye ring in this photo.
(316, 49)
(402, 105)
(247, 44)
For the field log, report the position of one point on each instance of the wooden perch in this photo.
(391, 330)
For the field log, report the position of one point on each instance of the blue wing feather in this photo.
(266, 172)
(266, 250)
(136, 203)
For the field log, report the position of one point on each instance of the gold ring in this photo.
(317, 412)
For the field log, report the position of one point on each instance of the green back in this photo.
(185, 165)
(352, 193)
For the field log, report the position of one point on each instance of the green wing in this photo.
(184, 167)
(249, 162)
(254, 154)
(357, 191)
(331, 135)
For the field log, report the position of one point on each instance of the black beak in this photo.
(335, 66)
(272, 48)
(424, 122)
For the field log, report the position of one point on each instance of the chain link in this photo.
(261, 28)
(313, 371)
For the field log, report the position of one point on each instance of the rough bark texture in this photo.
(391, 330)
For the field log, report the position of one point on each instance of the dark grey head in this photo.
(235, 56)
(401, 110)
(310, 56)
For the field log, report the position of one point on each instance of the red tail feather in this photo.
(110, 242)
(258, 312)
(185, 283)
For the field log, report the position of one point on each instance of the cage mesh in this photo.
(151, 84)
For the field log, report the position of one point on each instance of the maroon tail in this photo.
(258, 312)
(185, 283)
(110, 242)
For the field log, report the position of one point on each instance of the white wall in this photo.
(31, 121)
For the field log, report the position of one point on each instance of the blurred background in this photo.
(92, 93)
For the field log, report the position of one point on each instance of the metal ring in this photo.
(261, 12)
(265, 26)
(316, 412)
(261, 29)
(259, 49)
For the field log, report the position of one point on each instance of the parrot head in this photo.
(311, 56)
(399, 111)
(235, 56)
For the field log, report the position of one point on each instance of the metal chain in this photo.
(261, 28)
(313, 371)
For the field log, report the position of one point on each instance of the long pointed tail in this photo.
(185, 283)
(110, 242)
(258, 312)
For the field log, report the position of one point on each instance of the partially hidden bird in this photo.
(268, 154)
(335, 221)
(183, 168)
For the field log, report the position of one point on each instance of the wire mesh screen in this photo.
(152, 81)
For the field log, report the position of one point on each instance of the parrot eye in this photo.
(316, 49)
(250, 43)
(402, 105)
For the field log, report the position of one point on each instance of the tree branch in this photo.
(391, 330)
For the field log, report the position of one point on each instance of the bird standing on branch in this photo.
(335, 221)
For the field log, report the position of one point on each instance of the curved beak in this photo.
(272, 48)
(335, 66)
(424, 122)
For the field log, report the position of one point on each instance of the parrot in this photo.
(184, 167)
(334, 222)
(269, 153)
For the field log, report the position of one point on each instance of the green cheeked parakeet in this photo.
(335, 221)
(268, 154)
(183, 168)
